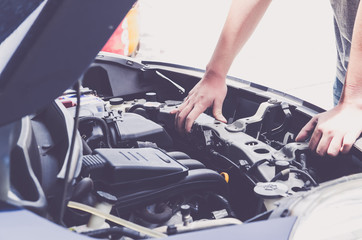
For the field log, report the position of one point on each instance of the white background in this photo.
(292, 50)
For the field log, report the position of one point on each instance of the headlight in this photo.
(332, 211)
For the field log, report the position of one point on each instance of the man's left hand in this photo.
(333, 131)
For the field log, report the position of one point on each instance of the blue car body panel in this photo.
(17, 223)
(274, 229)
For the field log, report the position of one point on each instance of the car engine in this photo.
(133, 165)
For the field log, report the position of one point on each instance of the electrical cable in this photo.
(257, 164)
(233, 165)
(70, 156)
(225, 158)
(280, 174)
(250, 179)
(305, 174)
(299, 165)
(224, 202)
(286, 171)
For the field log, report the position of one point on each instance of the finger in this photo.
(174, 111)
(307, 130)
(193, 90)
(217, 111)
(187, 98)
(176, 117)
(179, 107)
(175, 121)
(335, 145)
(348, 141)
(314, 140)
(196, 111)
(178, 110)
(180, 121)
(323, 144)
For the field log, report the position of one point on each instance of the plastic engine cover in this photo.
(129, 168)
(133, 127)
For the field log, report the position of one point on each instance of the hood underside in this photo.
(55, 52)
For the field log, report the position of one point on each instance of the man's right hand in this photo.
(242, 19)
(210, 91)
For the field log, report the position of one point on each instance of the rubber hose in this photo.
(134, 107)
(103, 125)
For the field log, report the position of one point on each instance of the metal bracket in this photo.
(241, 125)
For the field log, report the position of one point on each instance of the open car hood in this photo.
(40, 68)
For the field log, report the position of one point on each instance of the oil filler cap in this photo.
(271, 189)
(116, 101)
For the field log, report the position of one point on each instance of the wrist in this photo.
(356, 104)
(351, 102)
(351, 94)
(213, 73)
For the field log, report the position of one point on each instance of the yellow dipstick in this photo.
(120, 221)
(225, 176)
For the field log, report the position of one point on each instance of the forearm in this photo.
(211, 90)
(352, 92)
(243, 17)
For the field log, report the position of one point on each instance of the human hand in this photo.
(210, 91)
(333, 131)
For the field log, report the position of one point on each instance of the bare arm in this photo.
(337, 129)
(243, 17)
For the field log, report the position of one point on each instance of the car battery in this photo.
(90, 105)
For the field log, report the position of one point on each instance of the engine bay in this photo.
(132, 164)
